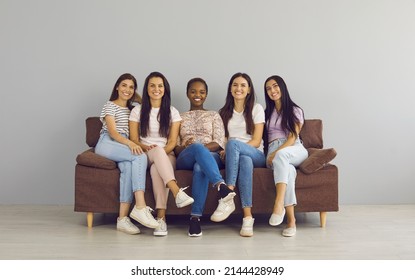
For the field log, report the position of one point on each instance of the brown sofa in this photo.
(97, 180)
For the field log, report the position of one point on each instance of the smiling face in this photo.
(273, 90)
(240, 88)
(197, 95)
(155, 89)
(125, 90)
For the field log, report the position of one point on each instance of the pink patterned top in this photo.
(204, 126)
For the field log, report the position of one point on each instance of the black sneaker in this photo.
(225, 192)
(194, 227)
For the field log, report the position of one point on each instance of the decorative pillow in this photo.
(91, 159)
(312, 134)
(317, 159)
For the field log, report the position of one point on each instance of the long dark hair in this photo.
(226, 111)
(164, 115)
(288, 118)
(114, 94)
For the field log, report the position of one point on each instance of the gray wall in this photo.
(350, 63)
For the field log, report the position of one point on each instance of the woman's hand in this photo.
(270, 158)
(135, 149)
(148, 148)
(222, 155)
(189, 142)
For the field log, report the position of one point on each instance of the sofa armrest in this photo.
(91, 159)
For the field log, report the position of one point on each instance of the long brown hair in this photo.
(226, 111)
(135, 98)
(164, 115)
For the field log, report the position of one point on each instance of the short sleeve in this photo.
(258, 114)
(175, 115)
(298, 112)
(218, 130)
(107, 110)
(135, 114)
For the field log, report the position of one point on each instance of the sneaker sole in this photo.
(144, 224)
(244, 234)
(194, 234)
(185, 203)
(221, 218)
(160, 233)
(129, 232)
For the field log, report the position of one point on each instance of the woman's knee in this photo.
(232, 144)
(279, 157)
(197, 169)
(245, 163)
(140, 157)
(197, 147)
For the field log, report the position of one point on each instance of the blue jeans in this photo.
(283, 166)
(241, 159)
(205, 166)
(132, 167)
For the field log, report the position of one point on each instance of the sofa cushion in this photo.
(91, 159)
(93, 129)
(317, 159)
(312, 134)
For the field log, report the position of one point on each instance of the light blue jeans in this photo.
(205, 166)
(284, 164)
(132, 167)
(241, 159)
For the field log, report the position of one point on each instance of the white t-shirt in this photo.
(237, 125)
(153, 137)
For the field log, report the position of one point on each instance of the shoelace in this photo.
(222, 205)
(182, 189)
(129, 223)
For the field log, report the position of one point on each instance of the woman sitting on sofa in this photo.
(202, 135)
(244, 123)
(114, 144)
(284, 120)
(154, 125)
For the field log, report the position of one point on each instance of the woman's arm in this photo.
(257, 135)
(290, 141)
(218, 134)
(112, 131)
(172, 140)
(135, 135)
(213, 146)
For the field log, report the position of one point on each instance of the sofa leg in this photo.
(89, 219)
(323, 216)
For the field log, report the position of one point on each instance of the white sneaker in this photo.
(247, 229)
(182, 199)
(144, 217)
(125, 225)
(224, 209)
(289, 232)
(161, 229)
(276, 219)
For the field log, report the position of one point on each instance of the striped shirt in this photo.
(121, 115)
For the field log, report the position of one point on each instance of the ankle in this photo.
(278, 208)
(224, 190)
(291, 223)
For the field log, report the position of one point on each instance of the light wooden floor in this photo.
(381, 232)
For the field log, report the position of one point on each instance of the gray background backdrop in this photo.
(350, 63)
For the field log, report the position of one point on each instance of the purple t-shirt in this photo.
(275, 130)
